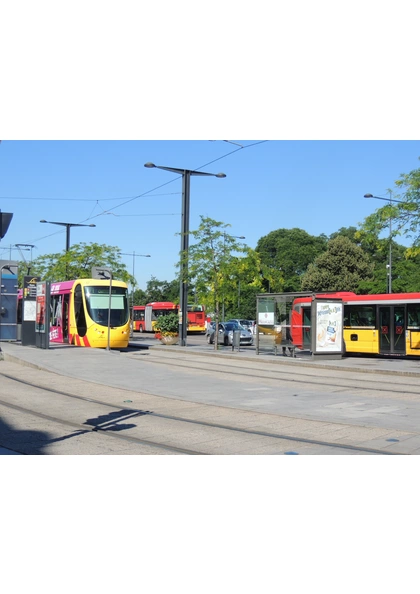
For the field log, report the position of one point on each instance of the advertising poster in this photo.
(328, 327)
(41, 302)
(266, 318)
(265, 312)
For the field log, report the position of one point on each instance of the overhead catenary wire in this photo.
(147, 193)
(196, 169)
(80, 199)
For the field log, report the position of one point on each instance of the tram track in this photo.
(294, 375)
(175, 423)
(85, 427)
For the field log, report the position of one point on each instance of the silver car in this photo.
(226, 330)
(249, 324)
(210, 328)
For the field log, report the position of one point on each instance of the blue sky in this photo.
(79, 120)
(317, 186)
(138, 77)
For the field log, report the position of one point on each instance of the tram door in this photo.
(65, 317)
(392, 329)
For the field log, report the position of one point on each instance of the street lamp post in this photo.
(67, 226)
(132, 287)
(224, 252)
(185, 221)
(389, 266)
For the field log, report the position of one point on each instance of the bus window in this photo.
(138, 315)
(359, 316)
(161, 312)
(413, 311)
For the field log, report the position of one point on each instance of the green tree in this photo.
(405, 269)
(285, 255)
(140, 297)
(404, 212)
(78, 263)
(349, 232)
(157, 290)
(407, 216)
(214, 267)
(340, 268)
(242, 283)
(245, 306)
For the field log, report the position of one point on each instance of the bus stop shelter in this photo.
(319, 325)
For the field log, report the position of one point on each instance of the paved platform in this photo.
(315, 408)
(71, 360)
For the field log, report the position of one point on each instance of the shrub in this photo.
(167, 325)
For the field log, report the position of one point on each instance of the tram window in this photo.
(97, 302)
(79, 312)
(359, 315)
(413, 311)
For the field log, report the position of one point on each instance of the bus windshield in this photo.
(97, 303)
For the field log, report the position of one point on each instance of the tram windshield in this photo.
(97, 303)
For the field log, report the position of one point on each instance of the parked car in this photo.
(226, 330)
(249, 324)
(210, 327)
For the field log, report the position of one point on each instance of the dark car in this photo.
(226, 330)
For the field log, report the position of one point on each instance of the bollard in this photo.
(236, 340)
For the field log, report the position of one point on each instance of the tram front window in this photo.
(97, 302)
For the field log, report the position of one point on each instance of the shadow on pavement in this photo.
(24, 442)
(111, 421)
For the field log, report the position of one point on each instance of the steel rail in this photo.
(276, 436)
(275, 374)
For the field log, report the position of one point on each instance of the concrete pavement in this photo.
(368, 419)
(62, 358)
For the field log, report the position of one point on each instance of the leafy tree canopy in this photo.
(78, 263)
(288, 251)
(161, 291)
(340, 268)
(216, 270)
(402, 210)
(349, 232)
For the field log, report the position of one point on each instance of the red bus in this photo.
(196, 318)
(386, 324)
(145, 316)
(137, 317)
